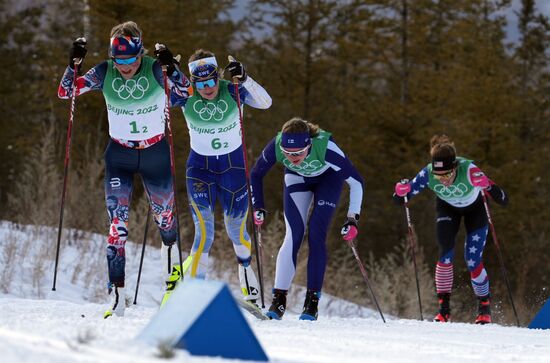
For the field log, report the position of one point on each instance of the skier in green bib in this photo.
(215, 167)
(315, 171)
(458, 184)
(132, 84)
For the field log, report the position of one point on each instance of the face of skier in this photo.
(208, 88)
(295, 155)
(445, 177)
(127, 65)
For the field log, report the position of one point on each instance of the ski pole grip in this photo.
(77, 61)
(230, 58)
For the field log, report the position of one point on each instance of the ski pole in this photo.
(172, 160)
(250, 207)
(76, 62)
(412, 243)
(142, 253)
(351, 243)
(499, 254)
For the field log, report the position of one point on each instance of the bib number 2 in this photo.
(135, 129)
(217, 144)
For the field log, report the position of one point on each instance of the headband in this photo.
(125, 45)
(292, 140)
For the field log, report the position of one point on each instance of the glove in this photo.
(402, 188)
(78, 51)
(349, 229)
(236, 69)
(259, 216)
(479, 179)
(166, 58)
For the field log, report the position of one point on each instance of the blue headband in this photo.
(290, 140)
(126, 45)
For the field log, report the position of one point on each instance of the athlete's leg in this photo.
(120, 165)
(297, 200)
(327, 194)
(201, 191)
(477, 229)
(448, 223)
(154, 167)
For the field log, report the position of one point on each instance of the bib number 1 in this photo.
(135, 130)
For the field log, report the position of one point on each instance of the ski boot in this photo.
(484, 311)
(310, 305)
(174, 279)
(444, 314)
(250, 288)
(278, 305)
(118, 301)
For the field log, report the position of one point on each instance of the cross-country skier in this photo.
(315, 171)
(132, 84)
(215, 167)
(458, 184)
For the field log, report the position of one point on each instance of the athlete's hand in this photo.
(259, 216)
(349, 229)
(236, 70)
(165, 58)
(479, 179)
(402, 188)
(78, 52)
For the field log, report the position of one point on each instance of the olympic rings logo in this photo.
(306, 167)
(455, 191)
(210, 110)
(131, 88)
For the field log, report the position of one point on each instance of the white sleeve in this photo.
(257, 95)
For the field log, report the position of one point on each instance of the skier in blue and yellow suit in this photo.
(215, 167)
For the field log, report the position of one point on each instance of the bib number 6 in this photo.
(217, 144)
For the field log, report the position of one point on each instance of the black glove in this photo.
(78, 51)
(166, 58)
(236, 69)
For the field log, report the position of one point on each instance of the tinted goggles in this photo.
(446, 175)
(206, 83)
(125, 61)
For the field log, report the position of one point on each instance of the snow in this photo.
(40, 325)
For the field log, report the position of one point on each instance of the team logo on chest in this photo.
(455, 191)
(131, 88)
(210, 110)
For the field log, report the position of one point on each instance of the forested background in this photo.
(382, 75)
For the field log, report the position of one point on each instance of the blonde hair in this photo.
(297, 125)
(129, 29)
(441, 146)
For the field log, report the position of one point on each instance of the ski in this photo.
(253, 309)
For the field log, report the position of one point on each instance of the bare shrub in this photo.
(35, 195)
(394, 282)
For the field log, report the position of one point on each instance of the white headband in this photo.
(199, 62)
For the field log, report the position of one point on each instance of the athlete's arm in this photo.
(92, 80)
(338, 161)
(260, 169)
(418, 184)
(497, 194)
(177, 82)
(251, 93)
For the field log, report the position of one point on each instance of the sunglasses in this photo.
(294, 153)
(125, 61)
(447, 175)
(208, 83)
